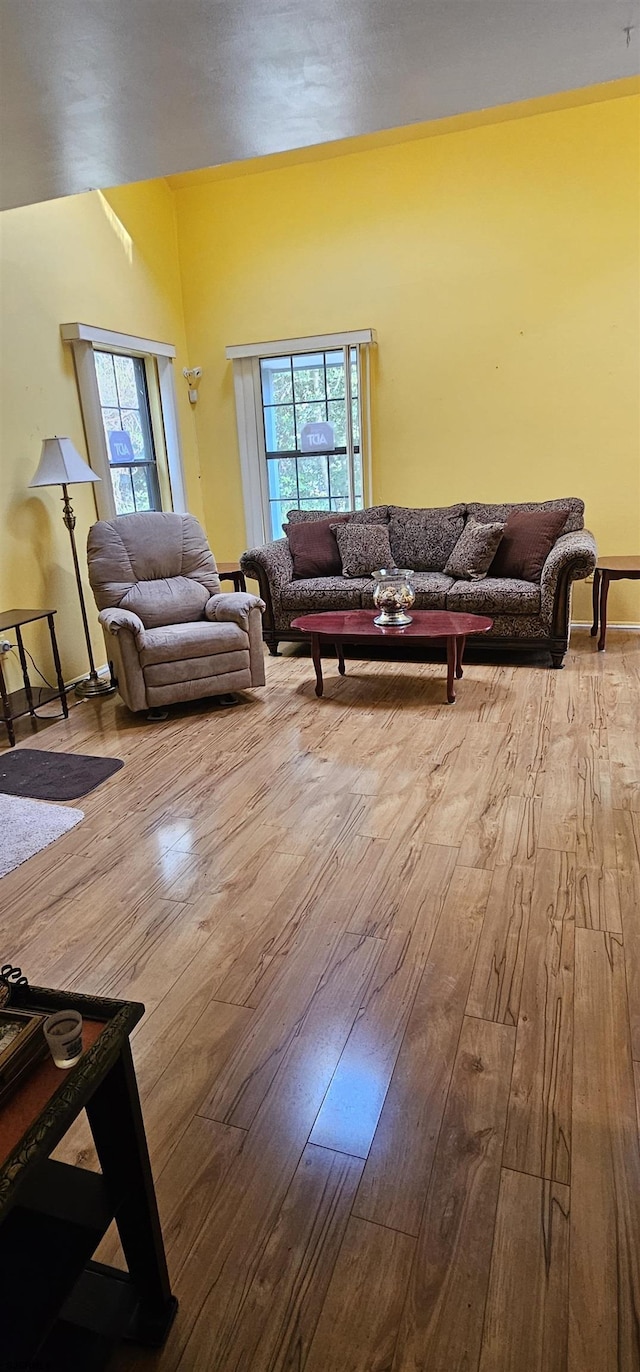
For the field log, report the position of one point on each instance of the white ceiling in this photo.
(100, 92)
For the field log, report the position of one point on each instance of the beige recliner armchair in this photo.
(171, 634)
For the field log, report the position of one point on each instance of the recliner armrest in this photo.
(115, 620)
(233, 606)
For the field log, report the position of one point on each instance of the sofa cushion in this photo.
(313, 547)
(489, 514)
(323, 593)
(373, 514)
(363, 548)
(430, 588)
(177, 642)
(475, 550)
(422, 540)
(495, 595)
(529, 536)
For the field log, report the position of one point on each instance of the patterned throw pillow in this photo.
(474, 552)
(363, 548)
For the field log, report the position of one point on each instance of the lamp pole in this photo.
(93, 685)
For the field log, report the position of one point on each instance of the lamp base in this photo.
(94, 685)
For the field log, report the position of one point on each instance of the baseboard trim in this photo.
(586, 624)
(102, 670)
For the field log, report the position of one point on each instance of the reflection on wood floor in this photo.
(390, 954)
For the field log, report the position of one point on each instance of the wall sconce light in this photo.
(192, 376)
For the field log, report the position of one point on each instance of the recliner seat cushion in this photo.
(195, 668)
(179, 642)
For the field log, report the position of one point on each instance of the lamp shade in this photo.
(61, 465)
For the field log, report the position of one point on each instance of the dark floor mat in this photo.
(53, 776)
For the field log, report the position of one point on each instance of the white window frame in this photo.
(85, 339)
(248, 392)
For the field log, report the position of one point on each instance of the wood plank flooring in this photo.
(390, 953)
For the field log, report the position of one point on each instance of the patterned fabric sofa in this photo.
(525, 614)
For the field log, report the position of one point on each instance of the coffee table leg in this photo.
(596, 602)
(452, 656)
(317, 662)
(340, 656)
(604, 594)
(460, 642)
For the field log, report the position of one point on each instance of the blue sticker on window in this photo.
(120, 446)
(317, 438)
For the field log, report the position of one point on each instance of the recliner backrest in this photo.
(158, 565)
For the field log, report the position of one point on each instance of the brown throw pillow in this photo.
(526, 543)
(313, 547)
(474, 552)
(363, 548)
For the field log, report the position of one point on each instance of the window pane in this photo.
(106, 379)
(354, 372)
(308, 377)
(337, 417)
(111, 421)
(339, 473)
(282, 479)
(339, 503)
(126, 382)
(308, 414)
(313, 478)
(279, 429)
(131, 424)
(277, 387)
(357, 481)
(335, 376)
(123, 490)
(279, 515)
(355, 422)
(141, 488)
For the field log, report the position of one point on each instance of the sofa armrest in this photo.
(572, 558)
(114, 620)
(233, 606)
(272, 567)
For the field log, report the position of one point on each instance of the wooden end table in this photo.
(357, 626)
(609, 569)
(232, 571)
(21, 702)
(59, 1307)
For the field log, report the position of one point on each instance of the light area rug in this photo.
(28, 826)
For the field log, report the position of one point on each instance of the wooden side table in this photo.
(59, 1308)
(609, 569)
(232, 571)
(21, 702)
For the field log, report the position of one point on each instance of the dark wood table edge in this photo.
(18, 619)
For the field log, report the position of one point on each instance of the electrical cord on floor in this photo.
(39, 689)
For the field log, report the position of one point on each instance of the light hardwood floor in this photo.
(390, 953)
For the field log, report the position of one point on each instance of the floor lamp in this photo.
(61, 465)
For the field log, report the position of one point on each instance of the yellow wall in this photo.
(110, 261)
(499, 267)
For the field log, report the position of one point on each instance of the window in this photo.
(311, 432)
(128, 406)
(302, 407)
(124, 402)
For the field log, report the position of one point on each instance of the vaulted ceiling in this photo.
(101, 92)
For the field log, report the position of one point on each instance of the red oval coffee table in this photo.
(357, 626)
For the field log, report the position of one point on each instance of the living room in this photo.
(382, 913)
